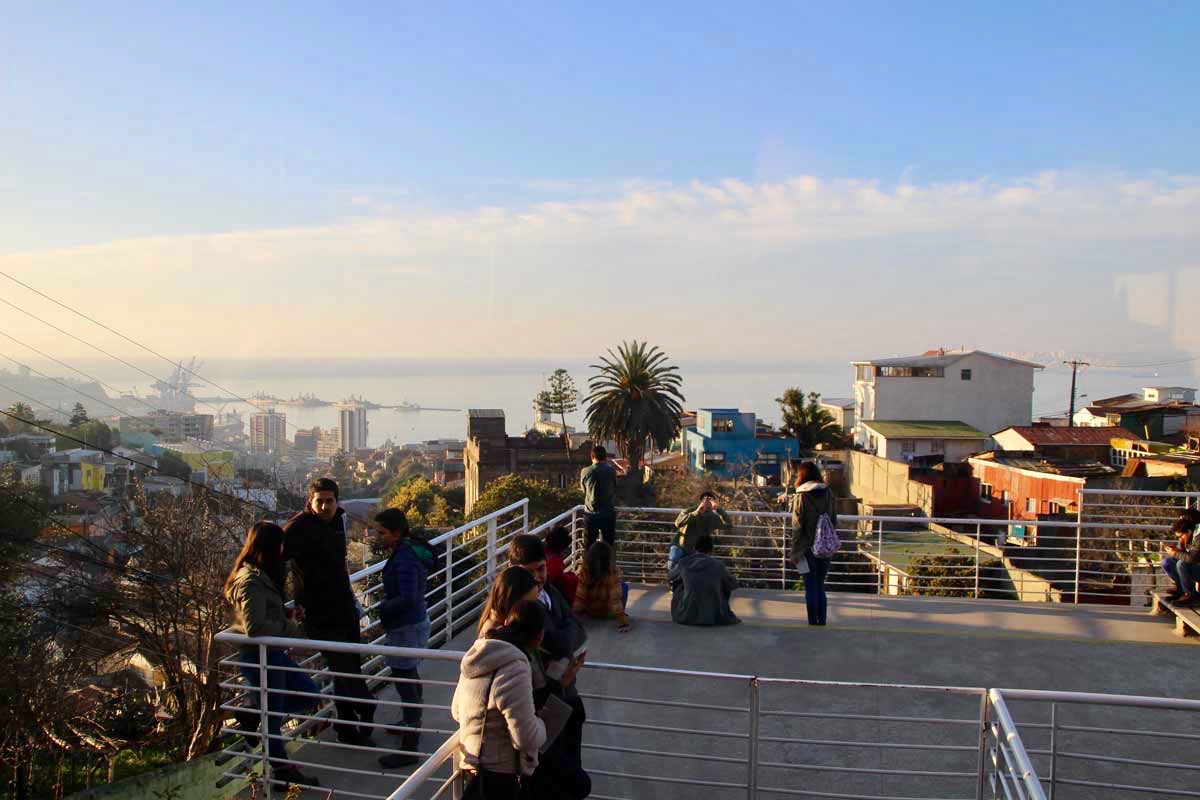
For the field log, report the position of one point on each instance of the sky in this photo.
(803, 180)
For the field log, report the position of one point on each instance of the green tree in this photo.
(24, 416)
(424, 504)
(635, 398)
(559, 397)
(93, 432)
(804, 419)
(79, 415)
(954, 576)
(545, 501)
(174, 466)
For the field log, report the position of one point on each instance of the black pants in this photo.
(360, 708)
(559, 776)
(603, 525)
(486, 785)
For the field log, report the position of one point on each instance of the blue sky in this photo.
(151, 125)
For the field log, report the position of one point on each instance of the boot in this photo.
(409, 740)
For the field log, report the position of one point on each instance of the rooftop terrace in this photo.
(889, 700)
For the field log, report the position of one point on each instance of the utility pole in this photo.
(1074, 364)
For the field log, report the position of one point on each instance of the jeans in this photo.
(814, 589)
(674, 553)
(411, 694)
(1168, 565)
(278, 704)
(624, 594)
(1188, 575)
(602, 524)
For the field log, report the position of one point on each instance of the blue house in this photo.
(727, 442)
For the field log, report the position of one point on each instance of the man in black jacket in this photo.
(315, 543)
(564, 636)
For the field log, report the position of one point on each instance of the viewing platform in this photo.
(895, 698)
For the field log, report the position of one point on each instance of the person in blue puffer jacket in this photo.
(406, 620)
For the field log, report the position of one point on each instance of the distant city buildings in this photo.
(306, 441)
(174, 426)
(329, 444)
(352, 424)
(268, 432)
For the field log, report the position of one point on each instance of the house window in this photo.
(714, 460)
(966, 374)
(985, 491)
(911, 372)
(1031, 505)
(767, 458)
(1057, 508)
(907, 447)
(864, 372)
(937, 446)
(1005, 496)
(722, 425)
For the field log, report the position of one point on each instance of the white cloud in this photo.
(1020, 264)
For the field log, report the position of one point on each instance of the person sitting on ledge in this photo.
(1187, 567)
(602, 594)
(701, 586)
(1183, 527)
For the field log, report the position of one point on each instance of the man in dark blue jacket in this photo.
(404, 616)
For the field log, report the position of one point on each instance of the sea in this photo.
(445, 389)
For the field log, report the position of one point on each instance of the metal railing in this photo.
(468, 557)
(669, 733)
(1108, 554)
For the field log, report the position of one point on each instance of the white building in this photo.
(906, 440)
(1169, 394)
(985, 391)
(842, 411)
(352, 427)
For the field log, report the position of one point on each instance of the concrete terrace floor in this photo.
(892, 640)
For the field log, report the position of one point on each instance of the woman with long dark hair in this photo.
(499, 732)
(255, 590)
(601, 593)
(510, 588)
(813, 499)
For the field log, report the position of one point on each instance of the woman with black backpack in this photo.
(812, 501)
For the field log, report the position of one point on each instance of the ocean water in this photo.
(511, 386)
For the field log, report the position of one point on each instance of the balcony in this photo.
(896, 698)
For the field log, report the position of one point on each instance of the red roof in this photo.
(1047, 436)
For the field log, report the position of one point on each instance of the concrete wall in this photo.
(879, 480)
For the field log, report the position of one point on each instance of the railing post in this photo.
(1053, 745)
(752, 747)
(525, 517)
(1078, 540)
(879, 558)
(784, 549)
(983, 745)
(264, 727)
(491, 551)
(449, 579)
(978, 533)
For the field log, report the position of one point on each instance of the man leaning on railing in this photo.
(315, 542)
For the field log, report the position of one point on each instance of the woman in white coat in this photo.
(499, 733)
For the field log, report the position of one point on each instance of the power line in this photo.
(1150, 364)
(136, 344)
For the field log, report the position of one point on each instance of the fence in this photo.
(1108, 554)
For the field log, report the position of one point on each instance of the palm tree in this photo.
(635, 398)
(24, 414)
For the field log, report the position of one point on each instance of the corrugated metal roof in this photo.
(1043, 435)
(924, 429)
(485, 412)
